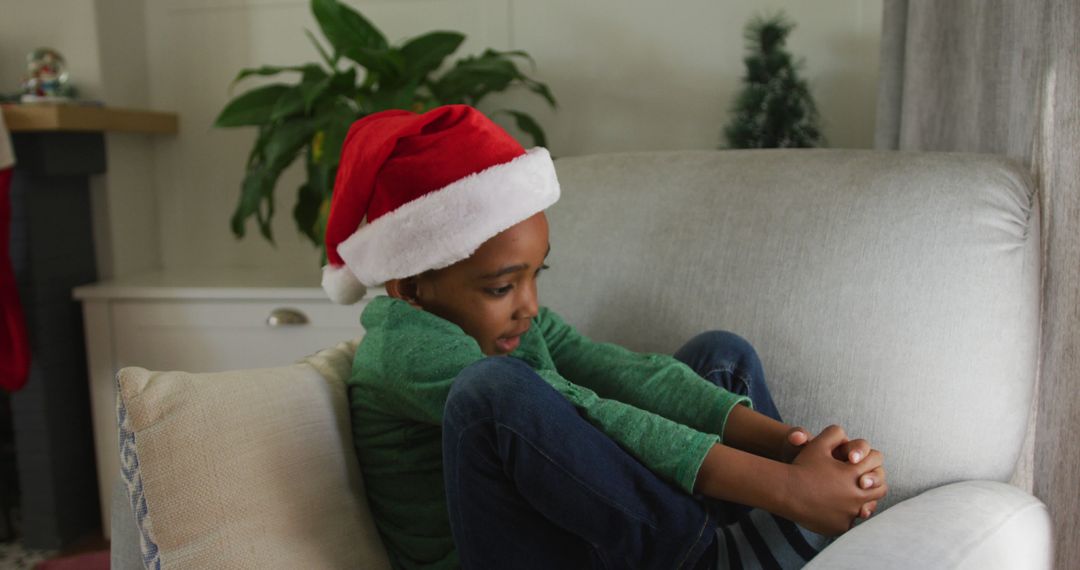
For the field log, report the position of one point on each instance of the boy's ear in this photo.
(404, 289)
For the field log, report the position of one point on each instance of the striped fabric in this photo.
(762, 540)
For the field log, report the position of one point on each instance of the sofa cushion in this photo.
(894, 293)
(247, 469)
(971, 525)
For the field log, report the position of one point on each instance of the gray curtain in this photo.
(1003, 77)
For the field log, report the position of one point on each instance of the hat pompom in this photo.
(341, 285)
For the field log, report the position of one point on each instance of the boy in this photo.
(493, 435)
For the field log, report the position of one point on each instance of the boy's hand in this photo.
(852, 451)
(823, 494)
(794, 441)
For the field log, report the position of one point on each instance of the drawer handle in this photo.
(286, 318)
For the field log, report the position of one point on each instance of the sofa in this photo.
(896, 294)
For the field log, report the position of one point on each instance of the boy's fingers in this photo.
(868, 509)
(872, 479)
(831, 437)
(798, 436)
(876, 493)
(873, 460)
(855, 450)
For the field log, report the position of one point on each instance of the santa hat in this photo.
(433, 187)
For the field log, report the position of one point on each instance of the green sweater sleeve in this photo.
(654, 382)
(673, 451)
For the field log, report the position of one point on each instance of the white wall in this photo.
(103, 43)
(127, 194)
(634, 75)
(629, 75)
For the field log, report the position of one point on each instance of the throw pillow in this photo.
(246, 469)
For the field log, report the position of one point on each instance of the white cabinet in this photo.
(199, 322)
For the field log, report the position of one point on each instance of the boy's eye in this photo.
(539, 269)
(499, 291)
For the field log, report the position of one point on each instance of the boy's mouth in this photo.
(509, 343)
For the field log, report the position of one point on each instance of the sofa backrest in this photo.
(896, 294)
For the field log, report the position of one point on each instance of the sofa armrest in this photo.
(971, 524)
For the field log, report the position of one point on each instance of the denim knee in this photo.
(729, 361)
(487, 384)
(723, 341)
(720, 346)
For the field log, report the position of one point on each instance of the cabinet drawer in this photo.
(209, 335)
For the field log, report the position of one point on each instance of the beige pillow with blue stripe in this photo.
(246, 469)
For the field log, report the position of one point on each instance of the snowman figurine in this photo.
(46, 77)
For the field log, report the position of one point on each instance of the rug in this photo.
(14, 557)
(86, 561)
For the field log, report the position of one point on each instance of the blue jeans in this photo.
(531, 484)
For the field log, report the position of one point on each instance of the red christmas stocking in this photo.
(14, 346)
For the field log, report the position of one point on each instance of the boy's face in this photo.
(492, 294)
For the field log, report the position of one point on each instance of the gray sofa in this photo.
(896, 294)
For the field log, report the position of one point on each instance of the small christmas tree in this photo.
(774, 109)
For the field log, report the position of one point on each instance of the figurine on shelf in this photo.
(46, 77)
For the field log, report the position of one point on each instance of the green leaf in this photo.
(346, 28)
(529, 126)
(541, 90)
(256, 154)
(341, 88)
(320, 224)
(276, 148)
(335, 128)
(306, 211)
(331, 62)
(321, 176)
(344, 83)
(300, 98)
(354, 37)
(424, 54)
(269, 70)
(311, 92)
(513, 53)
(385, 66)
(474, 77)
(397, 98)
(285, 143)
(257, 184)
(264, 218)
(290, 102)
(251, 108)
(314, 84)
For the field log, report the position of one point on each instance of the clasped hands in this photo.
(835, 480)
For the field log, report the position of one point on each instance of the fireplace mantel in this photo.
(79, 117)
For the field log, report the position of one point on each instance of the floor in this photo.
(14, 557)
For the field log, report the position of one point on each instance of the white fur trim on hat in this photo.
(448, 225)
(341, 285)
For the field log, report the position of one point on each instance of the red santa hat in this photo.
(433, 187)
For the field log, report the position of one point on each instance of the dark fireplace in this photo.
(52, 251)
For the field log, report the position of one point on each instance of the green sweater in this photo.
(654, 406)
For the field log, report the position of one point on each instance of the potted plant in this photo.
(361, 74)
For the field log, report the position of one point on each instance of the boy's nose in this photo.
(528, 304)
